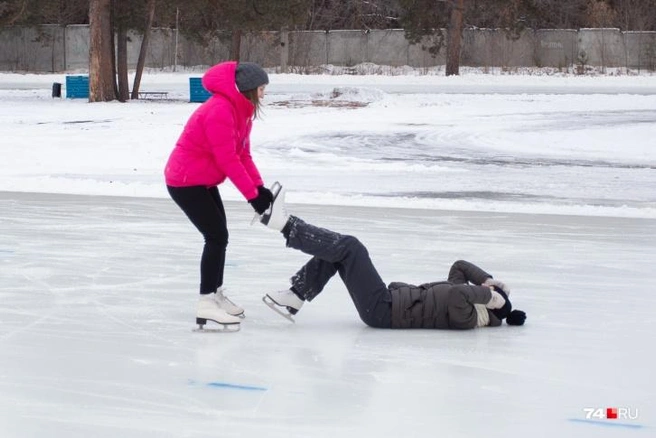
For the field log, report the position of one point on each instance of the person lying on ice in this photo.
(469, 298)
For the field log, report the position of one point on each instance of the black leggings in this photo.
(204, 208)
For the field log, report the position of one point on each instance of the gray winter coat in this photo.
(445, 304)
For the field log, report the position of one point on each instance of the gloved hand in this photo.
(500, 284)
(262, 201)
(267, 192)
(497, 301)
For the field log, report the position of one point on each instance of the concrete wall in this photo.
(56, 48)
(77, 47)
(388, 47)
(555, 48)
(641, 50)
(32, 49)
(308, 48)
(490, 47)
(263, 48)
(346, 47)
(601, 48)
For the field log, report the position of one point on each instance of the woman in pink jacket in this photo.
(215, 145)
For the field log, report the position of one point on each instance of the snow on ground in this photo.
(548, 182)
(565, 152)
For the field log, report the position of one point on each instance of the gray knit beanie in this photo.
(249, 76)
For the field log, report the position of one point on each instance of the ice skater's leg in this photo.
(333, 252)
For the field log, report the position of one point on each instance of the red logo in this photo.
(611, 413)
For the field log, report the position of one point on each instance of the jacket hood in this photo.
(221, 79)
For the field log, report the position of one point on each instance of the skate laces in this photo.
(222, 298)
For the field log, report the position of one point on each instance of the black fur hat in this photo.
(503, 312)
(516, 317)
(512, 317)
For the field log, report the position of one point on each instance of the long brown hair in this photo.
(255, 100)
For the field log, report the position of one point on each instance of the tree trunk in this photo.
(235, 48)
(101, 75)
(122, 64)
(143, 50)
(454, 36)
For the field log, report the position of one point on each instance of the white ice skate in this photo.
(275, 217)
(209, 310)
(226, 303)
(284, 302)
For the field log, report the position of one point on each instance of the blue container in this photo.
(77, 87)
(197, 93)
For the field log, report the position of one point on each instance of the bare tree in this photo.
(637, 15)
(101, 73)
(600, 13)
(13, 12)
(122, 63)
(143, 50)
(352, 14)
(454, 37)
(426, 18)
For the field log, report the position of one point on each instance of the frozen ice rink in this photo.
(548, 183)
(98, 308)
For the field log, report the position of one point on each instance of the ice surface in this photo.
(98, 309)
(547, 183)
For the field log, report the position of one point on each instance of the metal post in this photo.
(284, 49)
(175, 55)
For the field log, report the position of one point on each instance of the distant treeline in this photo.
(201, 18)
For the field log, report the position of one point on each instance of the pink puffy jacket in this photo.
(215, 142)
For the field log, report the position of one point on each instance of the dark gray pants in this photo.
(335, 253)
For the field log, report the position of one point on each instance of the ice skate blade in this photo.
(265, 217)
(275, 190)
(276, 308)
(223, 328)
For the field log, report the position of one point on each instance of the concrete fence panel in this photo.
(420, 55)
(10, 49)
(640, 50)
(261, 47)
(555, 47)
(496, 48)
(307, 48)
(519, 52)
(32, 48)
(476, 50)
(601, 48)
(191, 53)
(387, 47)
(55, 48)
(161, 48)
(346, 47)
(77, 47)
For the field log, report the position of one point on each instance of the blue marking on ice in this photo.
(227, 385)
(234, 386)
(608, 423)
